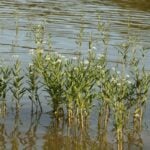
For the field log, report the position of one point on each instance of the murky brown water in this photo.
(62, 19)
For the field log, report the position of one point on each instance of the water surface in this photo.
(63, 19)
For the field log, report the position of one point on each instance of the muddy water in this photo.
(63, 20)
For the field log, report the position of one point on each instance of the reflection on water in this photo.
(143, 5)
(63, 20)
(17, 133)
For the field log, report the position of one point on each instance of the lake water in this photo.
(63, 19)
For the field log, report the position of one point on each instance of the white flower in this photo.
(127, 76)
(119, 84)
(59, 55)
(85, 67)
(47, 57)
(31, 51)
(136, 115)
(39, 26)
(41, 51)
(54, 63)
(44, 42)
(56, 53)
(62, 56)
(113, 80)
(129, 82)
(30, 64)
(89, 50)
(118, 72)
(75, 68)
(123, 79)
(86, 62)
(103, 71)
(100, 55)
(59, 61)
(100, 67)
(74, 58)
(38, 43)
(94, 48)
(113, 68)
(124, 44)
(15, 56)
(66, 59)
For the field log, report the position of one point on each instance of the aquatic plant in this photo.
(38, 33)
(79, 88)
(17, 85)
(33, 87)
(53, 79)
(73, 86)
(141, 88)
(79, 39)
(4, 83)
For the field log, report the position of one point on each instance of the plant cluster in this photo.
(75, 85)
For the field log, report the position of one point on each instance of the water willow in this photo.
(38, 31)
(121, 104)
(53, 76)
(141, 89)
(4, 82)
(102, 77)
(78, 90)
(104, 112)
(79, 39)
(116, 95)
(17, 88)
(33, 87)
(73, 85)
